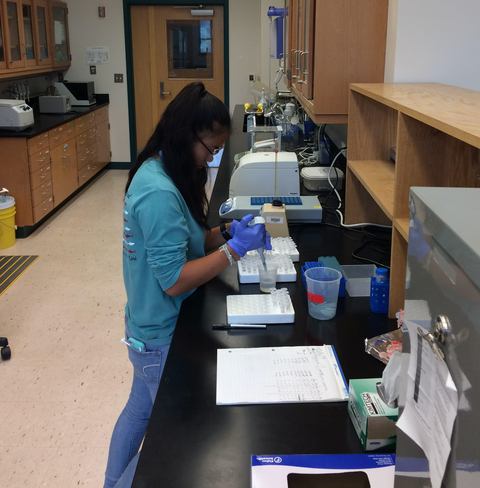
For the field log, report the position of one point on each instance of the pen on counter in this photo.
(238, 326)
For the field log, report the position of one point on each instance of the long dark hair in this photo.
(192, 112)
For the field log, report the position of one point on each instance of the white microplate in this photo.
(248, 268)
(274, 308)
(284, 246)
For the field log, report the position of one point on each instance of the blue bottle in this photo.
(379, 291)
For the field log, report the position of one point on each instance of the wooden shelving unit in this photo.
(435, 129)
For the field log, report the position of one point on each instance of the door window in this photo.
(190, 49)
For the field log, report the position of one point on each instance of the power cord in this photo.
(342, 151)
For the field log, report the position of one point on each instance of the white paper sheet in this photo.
(431, 404)
(279, 375)
(98, 55)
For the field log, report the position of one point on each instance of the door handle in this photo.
(163, 92)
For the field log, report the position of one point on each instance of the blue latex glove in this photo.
(233, 227)
(236, 223)
(268, 245)
(417, 246)
(248, 238)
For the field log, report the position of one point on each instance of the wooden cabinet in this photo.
(332, 43)
(64, 170)
(3, 59)
(103, 142)
(28, 36)
(33, 37)
(302, 46)
(102, 133)
(59, 25)
(43, 33)
(12, 13)
(41, 172)
(436, 132)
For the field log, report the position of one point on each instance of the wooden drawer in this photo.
(41, 193)
(88, 171)
(101, 115)
(86, 139)
(39, 159)
(42, 209)
(37, 143)
(40, 176)
(84, 123)
(61, 134)
(87, 155)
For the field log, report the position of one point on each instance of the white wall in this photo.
(427, 41)
(88, 29)
(268, 63)
(435, 41)
(244, 56)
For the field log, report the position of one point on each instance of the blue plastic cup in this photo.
(322, 292)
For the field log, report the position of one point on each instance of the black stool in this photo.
(5, 351)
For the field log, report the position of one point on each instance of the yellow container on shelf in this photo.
(7, 222)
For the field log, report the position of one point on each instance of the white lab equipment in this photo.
(274, 308)
(248, 267)
(15, 115)
(298, 209)
(254, 175)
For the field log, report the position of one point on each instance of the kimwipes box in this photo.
(373, 419)
(323, 471)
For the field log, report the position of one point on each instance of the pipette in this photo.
(260, 250)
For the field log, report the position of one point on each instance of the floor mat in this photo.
(11, 267)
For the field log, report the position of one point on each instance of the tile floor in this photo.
(69, 376)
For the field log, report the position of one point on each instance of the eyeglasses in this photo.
(214, 152)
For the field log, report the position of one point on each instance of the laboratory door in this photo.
(173, 46)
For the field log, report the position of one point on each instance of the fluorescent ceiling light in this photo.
(202, 12)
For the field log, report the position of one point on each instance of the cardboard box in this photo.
(374, 421)
(323, 471)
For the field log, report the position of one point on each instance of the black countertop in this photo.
(193, 443)
(46, 122)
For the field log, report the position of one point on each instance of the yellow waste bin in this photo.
(7, 222)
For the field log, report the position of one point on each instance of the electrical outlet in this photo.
(118, 77)
(60, 77)
(251, 77)
(93, 70)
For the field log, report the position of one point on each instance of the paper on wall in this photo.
(431, 403)
(97, 55)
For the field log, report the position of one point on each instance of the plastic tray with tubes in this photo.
(283, 246)
(248, 268)
(273, 308)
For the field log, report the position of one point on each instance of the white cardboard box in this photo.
(323, 471)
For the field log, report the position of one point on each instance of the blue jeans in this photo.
(132, 423)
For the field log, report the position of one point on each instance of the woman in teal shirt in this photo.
(169, 249)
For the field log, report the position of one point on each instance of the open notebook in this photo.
(279, 375)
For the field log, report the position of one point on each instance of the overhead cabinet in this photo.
(330, 44)
(34, 37)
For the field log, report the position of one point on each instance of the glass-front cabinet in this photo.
(61, 47)
(3, 60)
(33, 37)
(43, 33)
(28, 34)
(12, 13)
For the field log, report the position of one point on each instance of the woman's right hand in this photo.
(247, 238)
